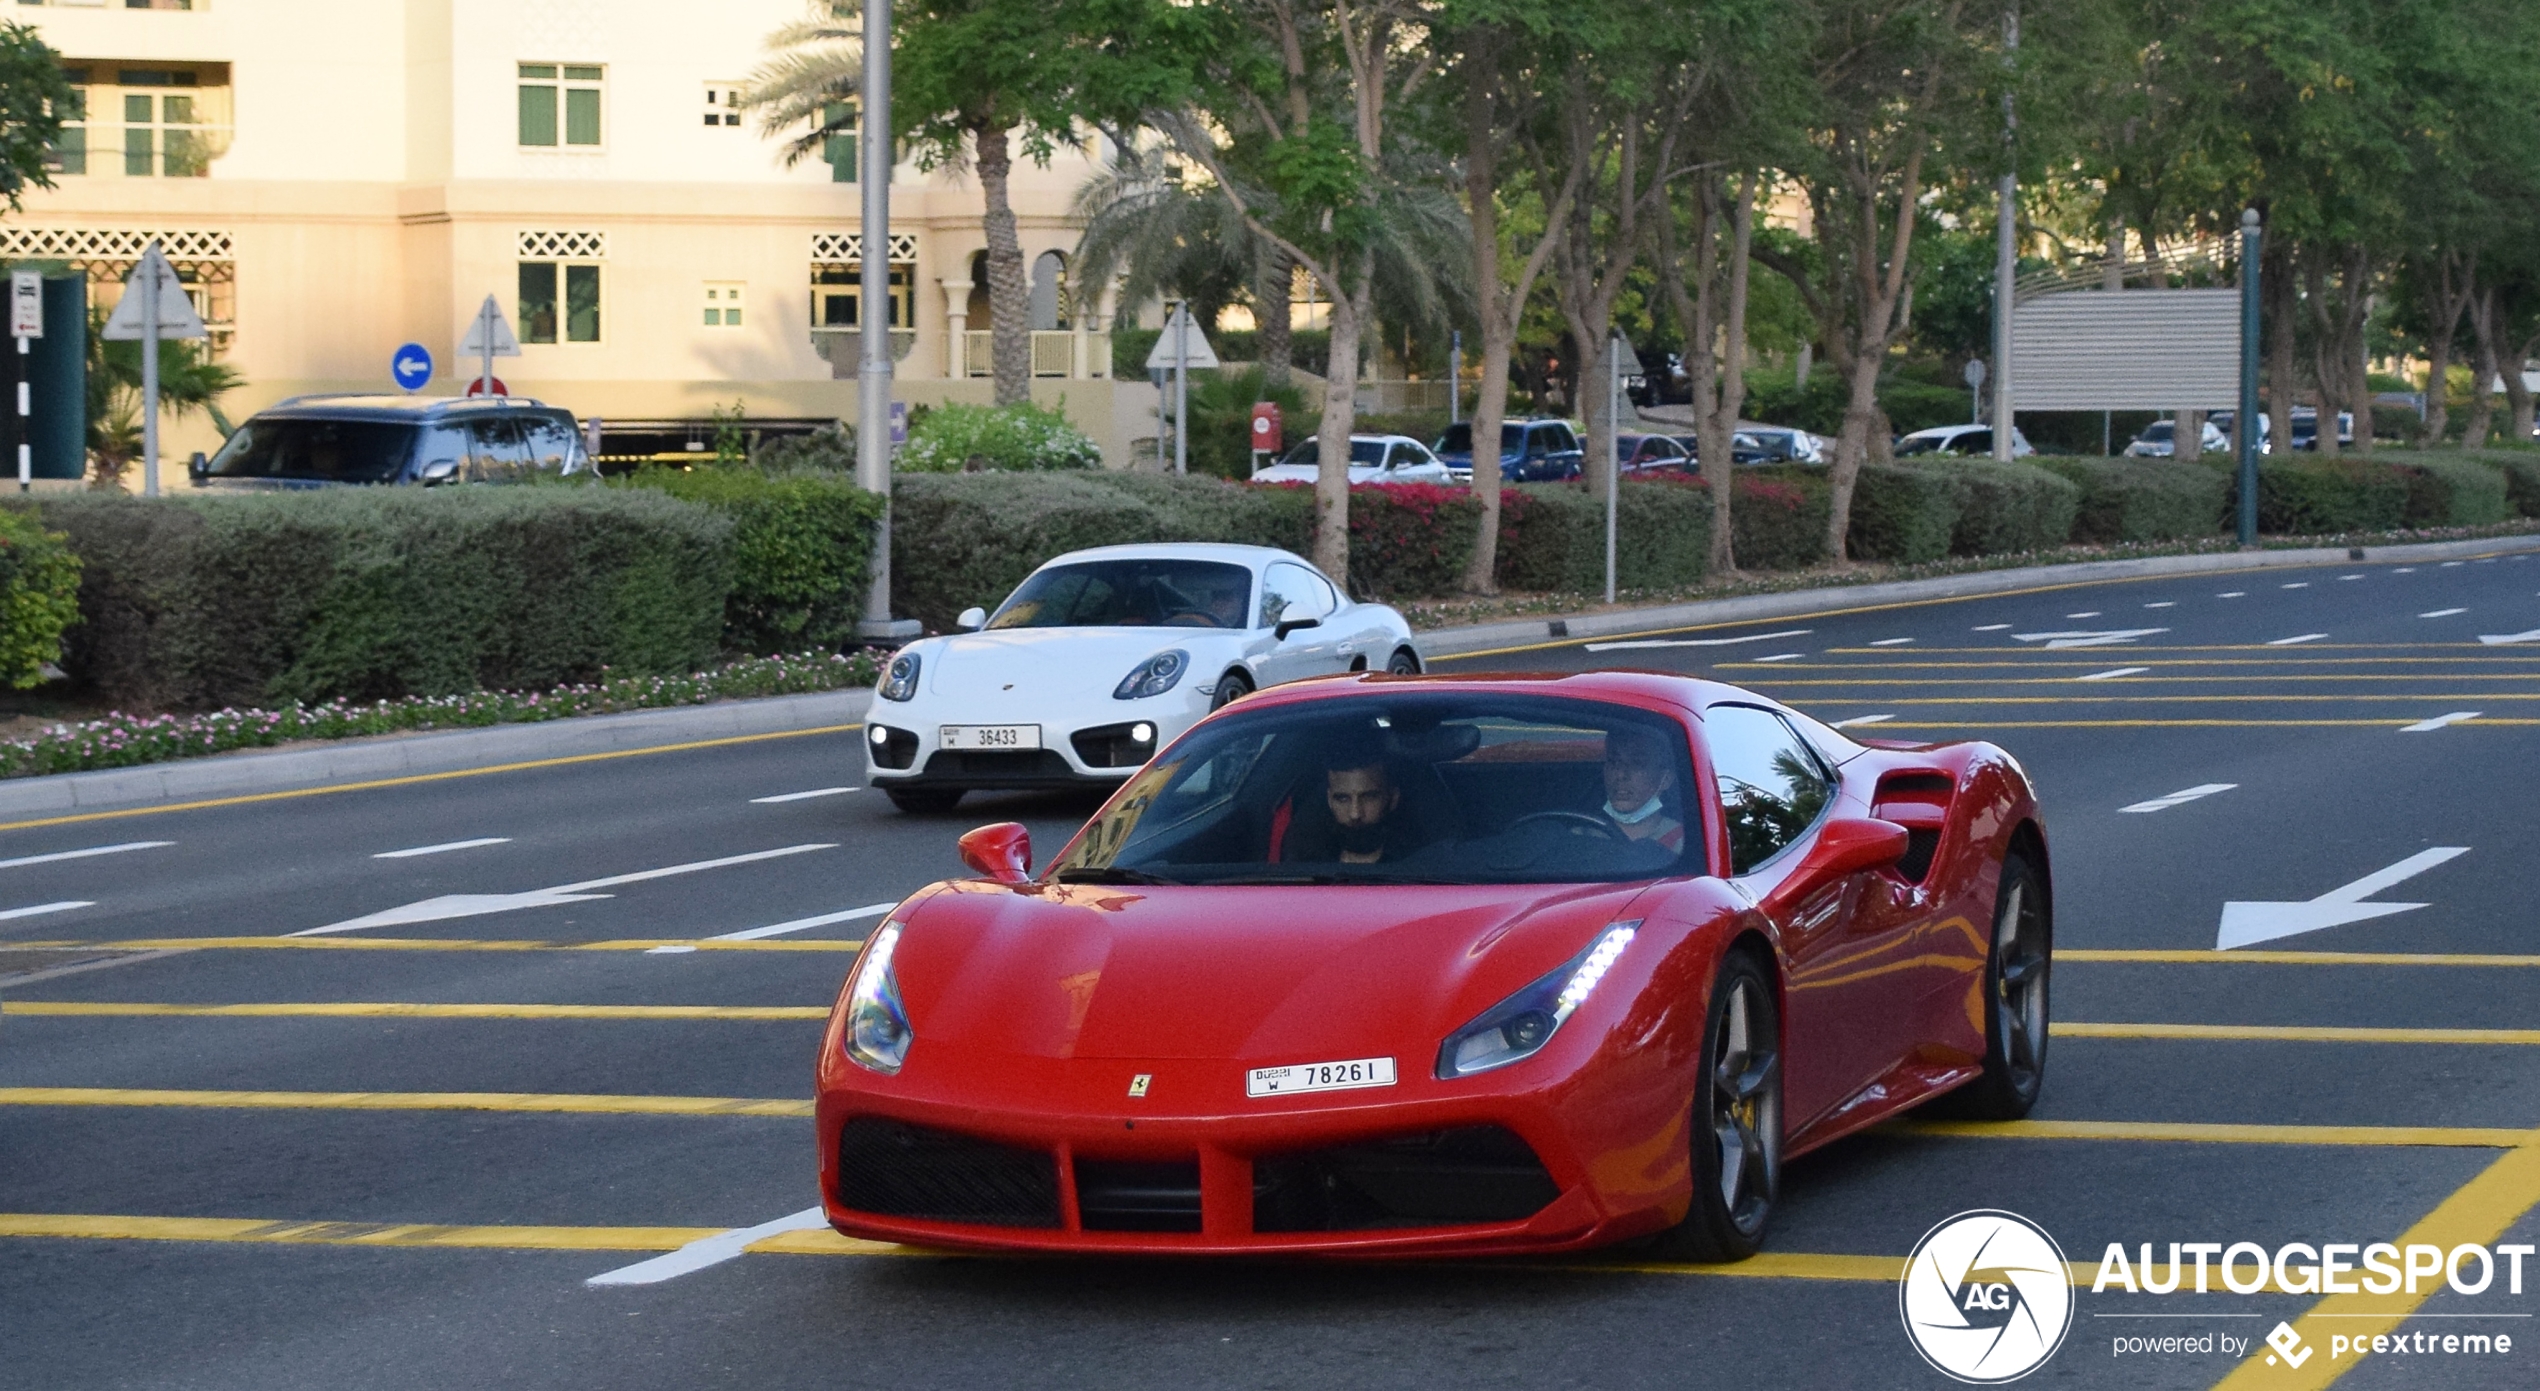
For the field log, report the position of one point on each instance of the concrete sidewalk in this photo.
(411, 755)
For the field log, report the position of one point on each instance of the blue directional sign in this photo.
(411, 366)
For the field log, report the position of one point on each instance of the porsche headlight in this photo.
(1519, 1026)
(1154, 676)
(899, 680)
(877, 1034)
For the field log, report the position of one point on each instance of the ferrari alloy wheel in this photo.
(1231, 687)
(924, 799)
(1737, 1121)
(1404, 663)
(2015, 979)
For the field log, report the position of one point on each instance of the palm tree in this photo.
(1162, 238)
(190, 380)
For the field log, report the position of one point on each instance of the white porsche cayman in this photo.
(1101, 657)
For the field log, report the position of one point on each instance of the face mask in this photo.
(1636, 816)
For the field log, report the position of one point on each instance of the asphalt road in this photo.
(392, 1154)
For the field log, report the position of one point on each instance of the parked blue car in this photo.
(1530, 451)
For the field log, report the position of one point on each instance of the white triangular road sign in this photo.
(177, 318)
(489, 318)
(1201, 355)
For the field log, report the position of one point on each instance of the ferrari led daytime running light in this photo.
(877, 1033)
(1519, 1026)
(900, 681)
(1154, 676)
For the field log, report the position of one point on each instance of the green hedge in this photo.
(1902, 514)
(1552, 536)
(39, 597)
(1410, 540)
(1777, 518)
(958, 438)
(368, 593)
(2448, 489)
(2144, 499)
(802, 544)
(2324, 497)
(2007, 509)
(2521, 468)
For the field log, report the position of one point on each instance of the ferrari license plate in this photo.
(988, 736)
(1319, 1077)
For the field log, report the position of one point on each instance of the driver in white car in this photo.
(1638, 775)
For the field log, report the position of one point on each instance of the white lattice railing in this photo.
(849, 246)
(111, 244)
(563, 246)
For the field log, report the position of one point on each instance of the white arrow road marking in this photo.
(2088, 639)
(477, 905)
(2442, 613)
(2288, 642)
(1691, 642)
(1783, 657)
(870, 910)
(2184, 794)
(84, 854)
(2245, 924)
(706, 1251)
(2112, 675)
(1891, 642)
(444, 846)
(1860, 720)
(2428, 726)
(43, 908)
(2500, 639)
(1993, 627)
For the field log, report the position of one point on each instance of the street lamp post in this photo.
(873, 323)
(2246, 426)
(2006, 248)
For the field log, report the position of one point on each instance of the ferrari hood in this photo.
(1052, 662)
(1259, 972)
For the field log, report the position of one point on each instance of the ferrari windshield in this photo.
(1160, 593)
(1407, 787)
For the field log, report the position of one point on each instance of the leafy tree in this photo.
(190, 380)
(33, 97)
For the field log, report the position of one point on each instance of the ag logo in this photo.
(1986, 1297)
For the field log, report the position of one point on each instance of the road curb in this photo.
(409, 755)
(1443, 643)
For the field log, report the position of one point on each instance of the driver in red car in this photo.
(1638, 775)
(1363, 797)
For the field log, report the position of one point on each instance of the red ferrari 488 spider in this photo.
(1410, 966)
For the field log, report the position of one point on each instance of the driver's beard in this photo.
(1362, 840)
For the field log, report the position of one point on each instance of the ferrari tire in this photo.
(1404, 662)
(923, 800)
(1231, 687)
(2016, 971)
(1737, 1121)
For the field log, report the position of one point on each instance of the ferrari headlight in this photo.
(1154, 676)
(899, 680)
(1519, 1026)
(877, 1027)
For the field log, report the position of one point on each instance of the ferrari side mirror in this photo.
(1003, 852)
(1848, 845)
(972, 619)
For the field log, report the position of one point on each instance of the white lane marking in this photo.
(2234, 594)
(2183, 795)
(1783, 657)
(1860, 720)
(870, 910)
(2298, 584)
(2350, 577)
(1640, 643)
(1891, 642)
(477, 905)
(84, 854)
(2446, 565)
(2442, 613)
(2112, 675)
(1993, 627)
(2500, 639)
(801, 796)
(43, 908)
(2288, 642)
(2405, 570)
(2088, 639)
(707, 1251)
(445, 845)
(2094, 613)
(2164, 604)
(669, 949)
(2244, 924)
(2428, 726)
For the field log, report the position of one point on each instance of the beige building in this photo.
(335, 179)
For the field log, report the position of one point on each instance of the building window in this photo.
(542, 312)
(70, 148)
(723, 103)
(165, 122)
(837, 294)
(839, 135)
(550, 90)
(723, 303)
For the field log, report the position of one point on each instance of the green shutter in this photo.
(537, 115)
(582, 115)
(537, 309)
(582, 304)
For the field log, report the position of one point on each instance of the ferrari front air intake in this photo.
(1439, 1178)
(892, 1169)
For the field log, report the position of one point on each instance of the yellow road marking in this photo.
(416, 778)
(814, 944)
(393, 1010)
(543, 1102)
(2294, 1033)
(2195, 1133)
(2477, 1213)
(2291, 958)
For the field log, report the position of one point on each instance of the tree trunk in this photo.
(1340, 416)
(2352, 352)
(2187, 433)
(2276, 264)
(1718, 355)
(2324, 362)
(1481, 202)
(2454, 275)
(1882, 286)
(2482, 390)
(2518, 393)
(1009, 296)
(1697, 318)
(1272, 315)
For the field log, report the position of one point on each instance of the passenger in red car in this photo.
(1638, 776)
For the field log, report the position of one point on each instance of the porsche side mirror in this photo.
(972, 619)
(1848, 845)
(1003, 852)
(440, 471)
(1290, 625)
(199, 467)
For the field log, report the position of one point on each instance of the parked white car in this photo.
(1101, 657)
(1372, 459)
(2159, 439)
(1960, 442)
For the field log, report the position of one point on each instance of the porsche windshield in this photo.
(1159, 593)
(1419, 788)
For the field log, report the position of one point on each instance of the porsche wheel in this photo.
(1231, 687)
(924, 799)
(2015, 979)
(1404, 663)
(1737, 1121)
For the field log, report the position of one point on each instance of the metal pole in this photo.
(149, 380)
(2246, 425)
(2006, 249)
(1182, 388)
(26, 421)
(1614, 443)
(1455, 377)
(873, 315)
(485, 336)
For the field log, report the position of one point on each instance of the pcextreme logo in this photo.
(1986, 1297)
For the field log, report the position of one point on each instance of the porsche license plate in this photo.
(1319, 1077)
(988, 736)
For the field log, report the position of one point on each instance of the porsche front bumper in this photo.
(1084, 748)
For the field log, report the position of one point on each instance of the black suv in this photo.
(327, 441)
